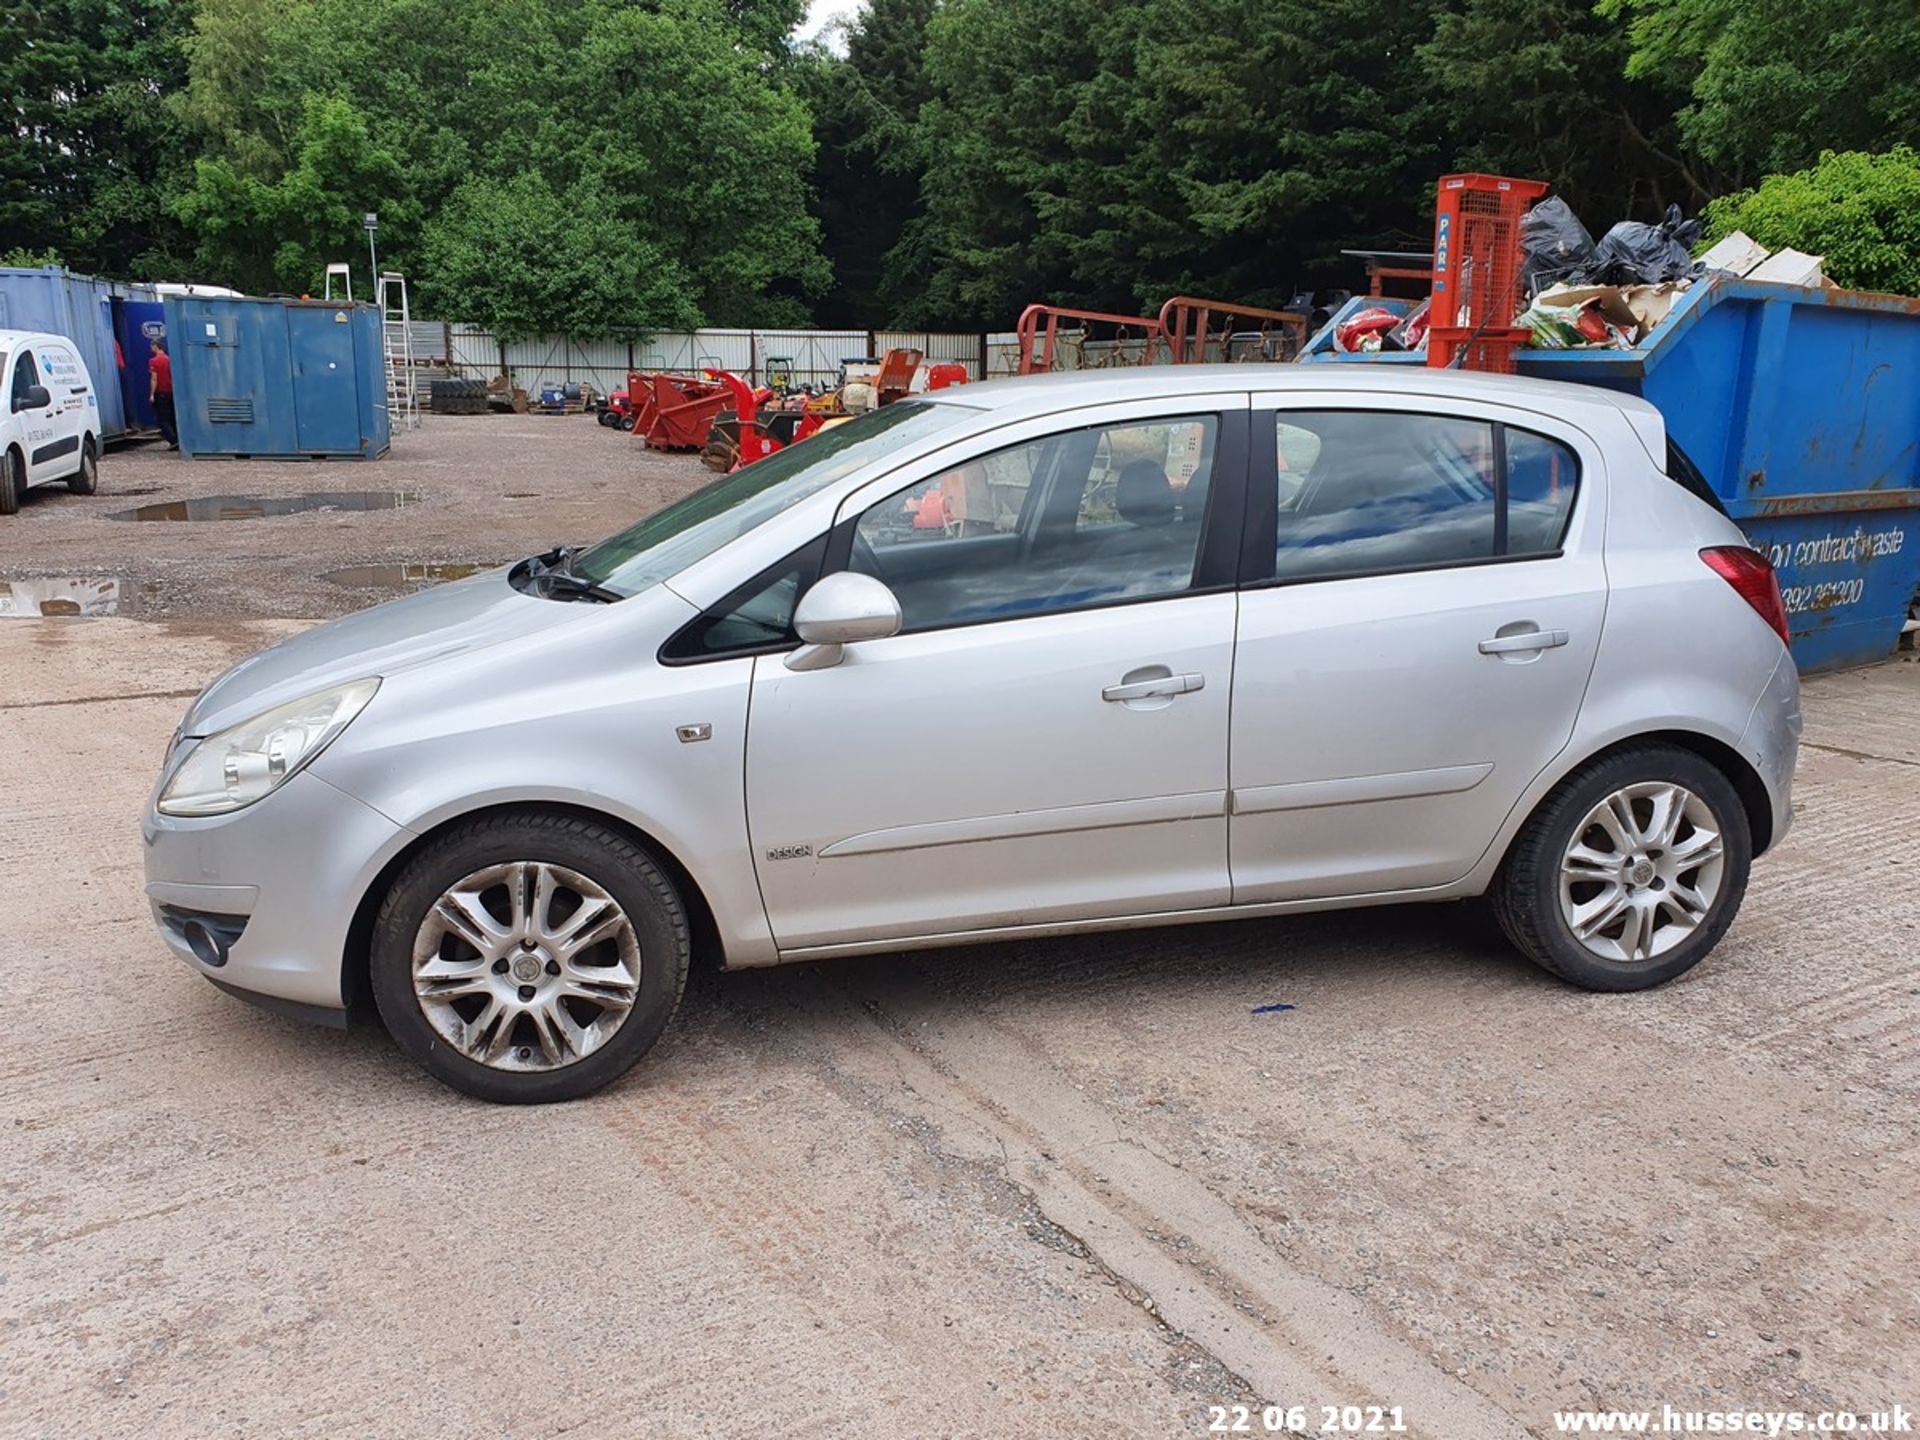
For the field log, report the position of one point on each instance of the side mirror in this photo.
(841, 610)
(35, 397)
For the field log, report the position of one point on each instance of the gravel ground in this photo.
(1072, 1187)
(480, 490)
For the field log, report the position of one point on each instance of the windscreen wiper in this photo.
(552, 575)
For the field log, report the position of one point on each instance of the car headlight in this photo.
(249, 761)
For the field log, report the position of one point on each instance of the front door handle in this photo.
(1167, 685)
(1527, 640)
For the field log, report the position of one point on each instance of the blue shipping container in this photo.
(271, 378)
(88, 312)
(1802, 408)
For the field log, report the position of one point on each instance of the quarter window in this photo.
(756, 617)
(1084, 518)
(1358, 492)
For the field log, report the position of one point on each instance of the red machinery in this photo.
(1179, 335)
(674, 412)
(1476, 270)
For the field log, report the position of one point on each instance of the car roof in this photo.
(11, 338)
(1067, 389)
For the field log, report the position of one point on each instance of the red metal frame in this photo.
(1028, 329)
(1180, 331)
(1183, 324)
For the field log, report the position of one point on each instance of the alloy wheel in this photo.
(526, 966)
(1642, 872)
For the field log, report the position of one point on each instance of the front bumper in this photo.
(261, 901)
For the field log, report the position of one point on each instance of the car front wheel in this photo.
(527, 958)
(86, 479)
(1629, 872)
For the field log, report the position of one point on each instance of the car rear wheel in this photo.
(1629, 872)
(86, 479)
(528, 958)
(10, 482)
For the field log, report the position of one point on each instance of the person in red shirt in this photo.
(160, 392)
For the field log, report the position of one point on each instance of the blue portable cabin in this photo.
(268, 378)
(1801, 406)
(91, 314)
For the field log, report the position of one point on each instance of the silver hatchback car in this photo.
(1070, 653)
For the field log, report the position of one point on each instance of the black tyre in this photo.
(1629, 872)
(626, 422)
(86, 480)
(531, 957)
(11, 482)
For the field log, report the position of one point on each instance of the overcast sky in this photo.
(821, 14)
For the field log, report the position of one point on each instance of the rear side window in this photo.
(1682, 470)
(1386, 492)
(1359, 492)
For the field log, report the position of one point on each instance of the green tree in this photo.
(281, 233)
(518, 258)
(90, 146)
(1862, 212)
(869, 156)
(663, 114)
(1539, 88)
(1773, 83)
(1109, 156)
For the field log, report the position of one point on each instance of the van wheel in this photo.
(86, 480)
(10, 485)
(527, 958)
(1629, 872)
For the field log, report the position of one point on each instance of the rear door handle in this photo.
(1531, 640)
(1168, 685)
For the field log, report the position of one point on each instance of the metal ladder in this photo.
(396, 340)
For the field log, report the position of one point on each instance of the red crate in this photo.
(1476, 264)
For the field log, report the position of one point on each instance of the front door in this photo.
(1046, 739)
(1420, 648)
(326, 401)
(43, 437)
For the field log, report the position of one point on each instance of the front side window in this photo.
(692, 528)
(1087, 517)
(1359, 492)
(25, 377)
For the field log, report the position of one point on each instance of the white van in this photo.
(50, 425)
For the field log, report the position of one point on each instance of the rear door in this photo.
(1416, 642)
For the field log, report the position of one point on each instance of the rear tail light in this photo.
(1751, 575)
